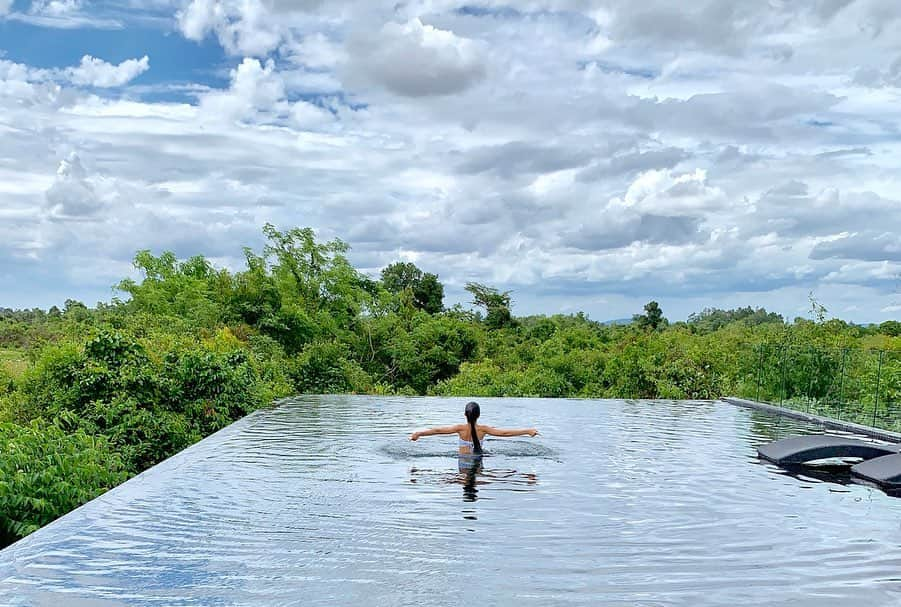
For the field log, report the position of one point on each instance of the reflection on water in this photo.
(324, 501)
(471, 474)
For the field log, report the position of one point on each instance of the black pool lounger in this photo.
(801, 449)
(881, 465)
(884, 471)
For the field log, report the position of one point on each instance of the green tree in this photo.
(76, 310)
(316, 277)
(891, 328)
(652, 318)
(713, 319)
(426, 291)
(428, 295)
(496, 304)
(182, 289)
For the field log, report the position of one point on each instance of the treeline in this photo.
(108, 391)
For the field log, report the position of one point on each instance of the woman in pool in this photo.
(470, 434)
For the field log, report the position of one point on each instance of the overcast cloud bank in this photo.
(587, 155)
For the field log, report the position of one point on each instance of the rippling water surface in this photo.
(324, 501)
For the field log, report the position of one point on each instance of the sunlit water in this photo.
(325, 501)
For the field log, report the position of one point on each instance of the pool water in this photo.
(324, 501)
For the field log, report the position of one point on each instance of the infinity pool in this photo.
(324, 501)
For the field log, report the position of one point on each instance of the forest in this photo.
(90, 396)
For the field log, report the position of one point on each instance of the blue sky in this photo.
(587, 155)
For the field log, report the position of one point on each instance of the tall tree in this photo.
(652, 318)
(170, 287)
(315, 277)
(427, 293)
(496, 304)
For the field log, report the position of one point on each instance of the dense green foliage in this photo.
(424, 290)
(90, 396)
(496, 304)
(45, 471)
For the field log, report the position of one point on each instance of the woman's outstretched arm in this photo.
(431, 431)
(509, 432)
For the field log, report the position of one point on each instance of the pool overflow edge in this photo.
(826, 422)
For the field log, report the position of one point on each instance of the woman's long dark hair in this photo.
(472, 414)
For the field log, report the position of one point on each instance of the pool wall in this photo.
(826, 422)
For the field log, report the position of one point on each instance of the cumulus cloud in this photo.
(27, 86)
(416, 60)
(5, 7)
(317, 51)
(90, 72)
(72, 196)
(97, 72)
(669, 191)
(242, 27)
(255, 89)
(258, 94)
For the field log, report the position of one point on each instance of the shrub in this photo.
(149, 406)
(45, 472)
(324, 368)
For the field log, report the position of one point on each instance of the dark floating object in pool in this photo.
(801, 449)
(885, 471)
(881, 465)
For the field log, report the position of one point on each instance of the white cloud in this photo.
(72, 196)
(243, 27)
(199, 18)
(257, 94)
(62, 14)
(23, 84)
(316, 50)
(55, 8)
(668, 192)
(416, 60)
(255, 90)
(97, 72)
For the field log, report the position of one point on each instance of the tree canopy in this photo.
(652, 319)
(496, 304)
(424, 289)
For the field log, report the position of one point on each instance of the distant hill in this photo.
(618, 321)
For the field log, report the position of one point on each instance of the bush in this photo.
(483, 378)
(45, 472)
(150, 406)
(7, 384)
(324, 368)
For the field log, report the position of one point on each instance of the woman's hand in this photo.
(414, 436)
(533, 432)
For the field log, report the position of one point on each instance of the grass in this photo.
(13, 362)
